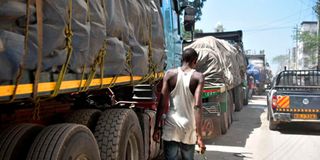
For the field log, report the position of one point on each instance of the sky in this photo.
(266, 24)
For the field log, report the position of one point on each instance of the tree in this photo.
(316, 8)
(281, 60)
(310, 40)
(198, 4)
(219, 27)
(310, 46)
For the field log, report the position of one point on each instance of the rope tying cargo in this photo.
(36, 110)
(150, 76)
(103, 51)
(98, 61)
(36, 99)
(69, 34)
(82, 76)
(129, 63)
(21, 65)
(88, 13)
(40, 45)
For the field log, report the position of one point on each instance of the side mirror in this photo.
(189, 18)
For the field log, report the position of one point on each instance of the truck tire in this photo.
(224, 122)
(119, 135)
(230, 108)
(15, 141)
(272, 124)
(87, 117)
(64, 141)
(246, 97)
(238, 98)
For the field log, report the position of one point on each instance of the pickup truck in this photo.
(294, 96)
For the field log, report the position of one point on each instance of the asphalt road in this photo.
(249, 138)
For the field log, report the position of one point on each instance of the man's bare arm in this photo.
(163, 101)
(198, 110)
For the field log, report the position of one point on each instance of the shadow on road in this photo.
(232, 145)
(300, 128)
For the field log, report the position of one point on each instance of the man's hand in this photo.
(156, 135)
(201, 145)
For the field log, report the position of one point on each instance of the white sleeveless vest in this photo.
(180, 123)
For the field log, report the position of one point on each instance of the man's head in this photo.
(189, 56)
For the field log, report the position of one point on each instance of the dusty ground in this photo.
(249, 138)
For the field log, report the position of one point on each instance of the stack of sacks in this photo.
(217, 61)
(122, 29)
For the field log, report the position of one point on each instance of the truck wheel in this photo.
(238, 98)
(246, 97)
(272, 124)
(224, 122)
(229, 119)
(119, 135)
(230, 108)
(64, 141)
(16, 141)
(87, 117)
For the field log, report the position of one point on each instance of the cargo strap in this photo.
(36, 99)
(98, 61)
(21, 65)
(36, 109)
(88, 12)
(150, 77)
(129, 63)
(40, 45)
(82, 77)
(104, 50)
(69, 34)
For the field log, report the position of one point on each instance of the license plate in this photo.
(305, 116)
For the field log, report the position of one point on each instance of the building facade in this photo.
(305, 57)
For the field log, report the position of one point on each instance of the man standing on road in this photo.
(182, 120)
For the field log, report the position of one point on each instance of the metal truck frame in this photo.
(87, 118)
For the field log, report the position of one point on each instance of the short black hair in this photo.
(189, 55)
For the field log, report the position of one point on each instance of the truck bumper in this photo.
(287, 117)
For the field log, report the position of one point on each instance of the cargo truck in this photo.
(79, 78)
(257, 70)
(222, 61)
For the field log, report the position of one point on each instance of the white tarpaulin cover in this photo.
(219, 61)
(129, 32)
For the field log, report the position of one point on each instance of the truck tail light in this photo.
(274, 102)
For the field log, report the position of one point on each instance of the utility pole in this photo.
(316, 8)
(289, 60)
(295, 51)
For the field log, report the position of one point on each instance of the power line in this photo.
(267, 29)
(279, 19)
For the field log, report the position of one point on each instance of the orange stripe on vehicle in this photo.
(286, 105)
(7, 90)
(283, 102)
